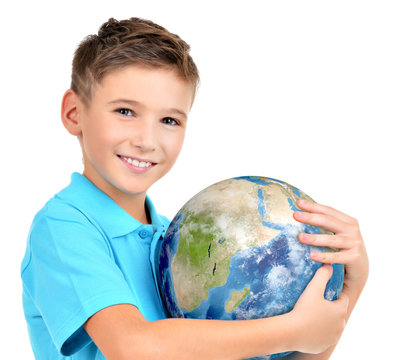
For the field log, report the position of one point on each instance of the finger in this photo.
(340, 257)
(326, 210)
(326, 222)
(320, 279)
(332, 241)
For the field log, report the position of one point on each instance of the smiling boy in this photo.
(88, 286)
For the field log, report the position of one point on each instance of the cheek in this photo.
(105, 132)
(94, 141)
(173, 145)
(98, 140)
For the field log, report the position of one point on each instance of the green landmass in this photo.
(202, 260)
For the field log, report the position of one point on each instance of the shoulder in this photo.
(61, 228)
(58, 213)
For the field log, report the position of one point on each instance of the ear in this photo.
(70, 112)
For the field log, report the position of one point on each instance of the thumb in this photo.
(320, 279)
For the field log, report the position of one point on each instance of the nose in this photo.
(144, 135)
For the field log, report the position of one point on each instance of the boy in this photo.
(88, 285)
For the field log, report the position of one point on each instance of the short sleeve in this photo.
(70, 275)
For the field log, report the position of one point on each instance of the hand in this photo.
(318, 323)
(347, 238)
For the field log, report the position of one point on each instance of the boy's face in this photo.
(133, 129)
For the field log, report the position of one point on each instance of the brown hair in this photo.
(129, 42)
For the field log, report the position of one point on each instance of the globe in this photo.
(232, 252)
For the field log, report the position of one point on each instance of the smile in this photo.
(137, 163)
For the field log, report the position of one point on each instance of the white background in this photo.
(315, 93)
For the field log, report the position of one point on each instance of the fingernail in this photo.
(305, 236)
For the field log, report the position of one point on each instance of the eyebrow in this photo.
(136, 103)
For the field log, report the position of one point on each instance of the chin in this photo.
(134, 191)
(128, 188)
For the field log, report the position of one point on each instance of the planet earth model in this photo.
(232, 252)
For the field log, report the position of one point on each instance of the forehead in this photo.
(146, 85)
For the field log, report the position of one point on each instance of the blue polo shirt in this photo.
(85, 253)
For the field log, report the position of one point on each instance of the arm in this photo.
(122, 333)
(352, 254)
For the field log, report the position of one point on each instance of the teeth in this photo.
(137, 163)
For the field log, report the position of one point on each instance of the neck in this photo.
(134, 205)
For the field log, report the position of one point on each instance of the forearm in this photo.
(216, 339)
(122, 333)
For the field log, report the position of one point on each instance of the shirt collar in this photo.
(100, 208)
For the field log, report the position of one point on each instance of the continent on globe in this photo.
(236, 298)
(232, 252)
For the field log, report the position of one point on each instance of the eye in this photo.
(170, 121)
(124, 112)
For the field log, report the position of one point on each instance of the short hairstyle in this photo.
(129, 42)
